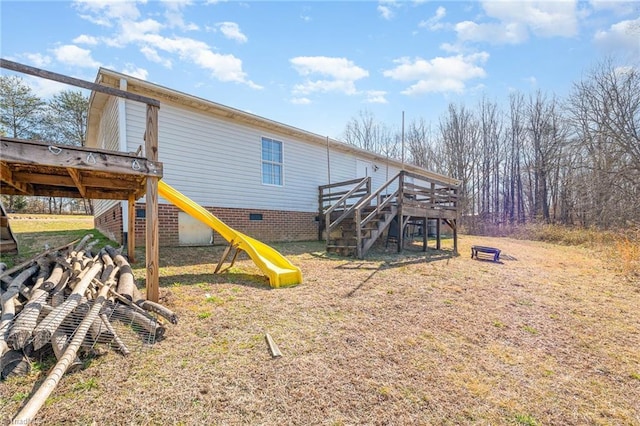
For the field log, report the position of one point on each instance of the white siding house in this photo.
(259, 175)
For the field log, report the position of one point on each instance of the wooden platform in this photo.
(45, 169)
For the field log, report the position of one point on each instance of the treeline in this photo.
(573, 161)
(62, 119)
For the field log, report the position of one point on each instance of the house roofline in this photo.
(171, 96)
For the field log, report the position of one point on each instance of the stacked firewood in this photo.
(67, 298)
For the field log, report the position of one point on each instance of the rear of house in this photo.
(259, 176)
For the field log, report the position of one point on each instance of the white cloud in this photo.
(433, 23)
(452, 47)
(46, 88)
(385, 8)
(624, 35)
(514, 21)
(440, 74)
(340, 68)
(542, 17)
(134, 31)
(147, 36)
(38, 59)
(174, 17)
(502, 33)
(136, 72)
(342, 74)
(152, 55)
(86, 39)
(305, 18)
(376, 97)
(385, 12)
(75, 56)
(531, 80)
(231, 30)
(105, 12)
(300, 101)
(226, 68)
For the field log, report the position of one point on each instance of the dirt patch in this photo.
(551, 337)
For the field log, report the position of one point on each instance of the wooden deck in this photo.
(39, 168)
(353, 218)
(36, 168)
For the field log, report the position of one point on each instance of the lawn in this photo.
(550, 336)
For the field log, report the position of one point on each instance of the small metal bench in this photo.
(484, 249)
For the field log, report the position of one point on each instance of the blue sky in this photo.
(315, 65)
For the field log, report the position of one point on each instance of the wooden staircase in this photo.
(359, 217)
(352, 217)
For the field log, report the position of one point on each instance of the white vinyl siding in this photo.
(108, 138)
(108, 129)
(218, 162)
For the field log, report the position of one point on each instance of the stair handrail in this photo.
(381, 203)
(329, 226)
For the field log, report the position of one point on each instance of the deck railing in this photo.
(339, 197)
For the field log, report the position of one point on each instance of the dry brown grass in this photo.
(421, 338)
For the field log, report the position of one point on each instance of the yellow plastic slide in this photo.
(279, 270)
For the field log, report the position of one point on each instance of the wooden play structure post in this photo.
(131, 228)
(153, 233)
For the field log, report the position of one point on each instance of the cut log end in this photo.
(19, 339)
(14, 363)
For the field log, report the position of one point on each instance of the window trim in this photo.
(263, 162)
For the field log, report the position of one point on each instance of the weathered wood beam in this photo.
(43, 154)
(25, 69)
(72, 192)
(7, 176)
(77, 180)
(152, 248)
(87, 181)
(44, 179)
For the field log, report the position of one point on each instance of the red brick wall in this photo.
(274, 226)
(110, 223)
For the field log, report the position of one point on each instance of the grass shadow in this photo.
(237, 278)
(178, 256)
(379, 261)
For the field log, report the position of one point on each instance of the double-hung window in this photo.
(271, 162)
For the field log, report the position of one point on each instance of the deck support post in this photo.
(152, 232)
(400, 212)
(425, 239)
(454, 222)
(438, 238)
(131, 228)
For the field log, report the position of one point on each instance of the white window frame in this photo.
(263, 161)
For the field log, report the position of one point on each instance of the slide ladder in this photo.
(280, 271)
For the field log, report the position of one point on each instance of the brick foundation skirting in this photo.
(110, 224)
(275, 225)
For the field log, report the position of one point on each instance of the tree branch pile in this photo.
(67, 298)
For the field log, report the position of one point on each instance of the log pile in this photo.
(67, 298)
